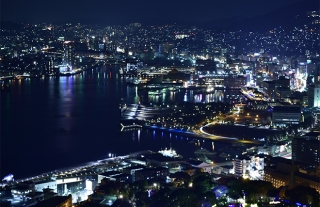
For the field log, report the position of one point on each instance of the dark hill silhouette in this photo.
(10, 25)
(288, 16)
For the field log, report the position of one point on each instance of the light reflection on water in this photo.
(183, 95)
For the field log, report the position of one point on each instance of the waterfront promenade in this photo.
(79, 168)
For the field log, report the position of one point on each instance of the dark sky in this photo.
(36, 11)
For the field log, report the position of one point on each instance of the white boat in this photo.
(169, 153)
(156, 93)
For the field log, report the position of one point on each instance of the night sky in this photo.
(114, 11)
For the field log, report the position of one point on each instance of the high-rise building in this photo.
(314, 96)
(68, 54)
(307, 149)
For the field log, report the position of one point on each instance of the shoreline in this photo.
(201, 136)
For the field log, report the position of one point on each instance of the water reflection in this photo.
(70, 115)
(183, 95)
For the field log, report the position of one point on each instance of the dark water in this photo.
(55, 122)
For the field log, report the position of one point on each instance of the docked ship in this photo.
(169, 153)
(202, 151)
(71, 72)
(156, 92)
(132, 81)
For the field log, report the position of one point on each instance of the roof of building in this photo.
(52, 202)
(152, 169)
(307, 177)
(269, 82)
(312, 134)
(122, 175)
(110, 173)
(78, 174)
(194, 162)
(287, 109)
(227, 166)
(134, 167)
(283, 89)
(243, 157)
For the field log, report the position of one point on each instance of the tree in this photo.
(304, 195)
(210, 197)
(182, 197)
(222, 202)
(202, 184)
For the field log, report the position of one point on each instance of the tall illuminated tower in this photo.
(68, 54)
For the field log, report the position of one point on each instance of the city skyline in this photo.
(93, 94)
(114, 12)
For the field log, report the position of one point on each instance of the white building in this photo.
(316, 96)
(249, 166)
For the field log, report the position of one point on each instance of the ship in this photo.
(203, 151)
(132, 81)
(169, 153)
(155, 92)
(70, 72)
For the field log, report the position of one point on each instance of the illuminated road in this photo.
(216, 137)
(140, 112)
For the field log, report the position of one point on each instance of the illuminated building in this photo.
(282, 92)
(244, 166)
(283, 172)
(205, 66)
(235, 82)
(57, 201)
(314, 96)
(132, 171)
(269, 88)
(306, 149)
(68, 54)
(151, 173)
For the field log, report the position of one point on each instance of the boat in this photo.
(203, 151)
(132, 81)
(173, 89)
(69, 72)
(157, 93)
(169, 153)
(19, 77)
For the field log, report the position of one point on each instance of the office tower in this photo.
(306, 149)
(68, 54)
(314, 95)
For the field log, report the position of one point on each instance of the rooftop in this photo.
(312, 134)
(52, 202)
(287, 109)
